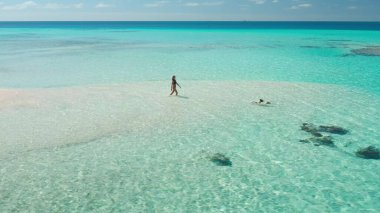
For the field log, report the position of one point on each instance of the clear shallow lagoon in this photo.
(37, 55)
(87, 124)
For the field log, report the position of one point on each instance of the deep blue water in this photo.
(197, 25)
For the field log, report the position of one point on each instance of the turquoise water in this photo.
(49, 57)
(87, 124)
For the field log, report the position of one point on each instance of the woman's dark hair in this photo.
(173, 77)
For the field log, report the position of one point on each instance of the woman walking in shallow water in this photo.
(174, 86)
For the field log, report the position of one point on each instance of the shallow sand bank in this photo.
(132, 148)
(37, 118)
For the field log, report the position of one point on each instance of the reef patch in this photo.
(369, 152)
(367, 51)
(220, 160)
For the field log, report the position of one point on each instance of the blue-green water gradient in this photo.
(50, 54)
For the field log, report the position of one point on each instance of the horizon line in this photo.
(184, 21)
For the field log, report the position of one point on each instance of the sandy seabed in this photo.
(132, 147)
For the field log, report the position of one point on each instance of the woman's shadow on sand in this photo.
(179, 96)
(183, 97)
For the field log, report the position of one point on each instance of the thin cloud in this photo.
(55, 6)
(217, 3)
(300, 6)
(196, 4)
(78, 6)
(21, 6)
(156, 4)
(103, 5)
(34, 5)
(192, 4)
(258, 1)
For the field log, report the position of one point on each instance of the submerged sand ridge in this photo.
(132, 148)
(39, 118)
(64, 116)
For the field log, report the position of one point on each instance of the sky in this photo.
(189, 10)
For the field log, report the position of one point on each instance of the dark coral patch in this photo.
(220, 160)
(314, 130)
(339, 40)
(370, 152)
(310, 47)
(320, 141)
(367, 51)
(333, 130)
(316, 134)
(308, 127)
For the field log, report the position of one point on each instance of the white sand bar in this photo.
(132, 147)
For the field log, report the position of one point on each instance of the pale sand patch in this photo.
(40, 118)
(17, 98)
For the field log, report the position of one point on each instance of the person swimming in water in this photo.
(174, 86)
(261, 101)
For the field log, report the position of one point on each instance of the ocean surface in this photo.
(87, 124)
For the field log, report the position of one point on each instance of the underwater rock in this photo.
(307, 127)
(315, 131)
(310, 47)
(368, 51)
(333, 129)
(221, 160)
(316, 134)
(318, 141)
(339, 40)
(304, 141)
(370, 152)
